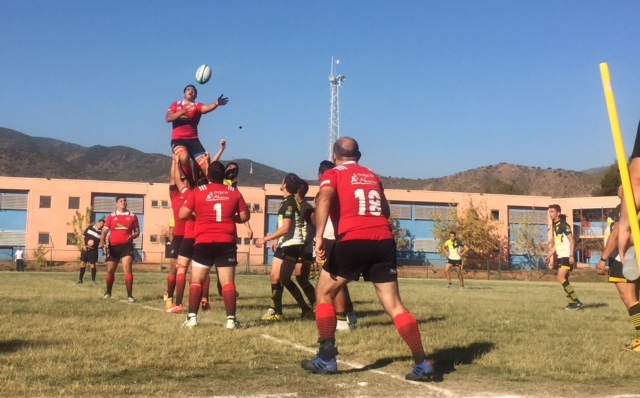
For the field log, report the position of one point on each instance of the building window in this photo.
(45, 202)
(153, 238)
(165, 204)
(257, 208)
(238, 241)
(247, 241)
(43, 238)
(71, 239)
(74, 202)
(154, 204)
(495, 215)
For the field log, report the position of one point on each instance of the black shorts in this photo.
(455, 263)
(219, 254)
(186, 247)
(563, 262)
(329, 244)
(117, 252)
(194, 146)
(176, 242)
(615, 272)
(89, 256)
(305, 256)
(289, 253)
(375, 260)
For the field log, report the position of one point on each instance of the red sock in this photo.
(128, 281)
(407, 327)
(195, 295)
(229, 298)
(171, 285)
(181, 281)
(110, 279)
(326, 320)
(205, 287)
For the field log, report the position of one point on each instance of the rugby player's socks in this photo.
(195, 295)
(326, 320)
(308, 290)
(93, 273)
(572, 297)
(181, 281)
(171, 285)
(229, 298)
(82, 270)
(205, 287)
(128, 281)
(297, 295)
(407, 327)
(110, 279)
(276, 298)
(341, 316)
(634, 313)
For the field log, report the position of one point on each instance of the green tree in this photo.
(40, 254)
(474, 226)
(79, 223)
(401, 235)
(530, 239)
(497, 186)
(609, 182)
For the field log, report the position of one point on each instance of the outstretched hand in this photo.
(222, 100)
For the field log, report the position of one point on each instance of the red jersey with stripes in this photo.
(215, 206)
(177, 199)
(121, 227)
(357, 210)
(186, 126)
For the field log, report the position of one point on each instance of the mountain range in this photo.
(22, 155)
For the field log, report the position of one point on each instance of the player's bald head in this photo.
(346, 148)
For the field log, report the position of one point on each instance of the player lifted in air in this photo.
(184, 116)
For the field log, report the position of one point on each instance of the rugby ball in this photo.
(203, 74)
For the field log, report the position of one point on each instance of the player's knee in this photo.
(182, 153)
(203, 160)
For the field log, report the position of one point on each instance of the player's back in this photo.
(215, 206)
(362, 208)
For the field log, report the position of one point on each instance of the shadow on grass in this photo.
(596, 305)
(8, 346)
(444, 361)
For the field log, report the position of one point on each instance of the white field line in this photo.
(353, 365)
(441, 391)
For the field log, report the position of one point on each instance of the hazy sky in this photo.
(432, 87)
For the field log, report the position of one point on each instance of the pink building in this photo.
(35, 212)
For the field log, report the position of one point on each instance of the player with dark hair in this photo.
(185, 116)
(122, 227)
(288, 245)
(89, 252)
(627, 289)
(365, 246)
(218, 208)
(455, 249)
(345, 316)
(563, 247)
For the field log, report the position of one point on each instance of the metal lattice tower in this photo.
(335, 82)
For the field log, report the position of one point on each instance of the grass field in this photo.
(494, 338)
